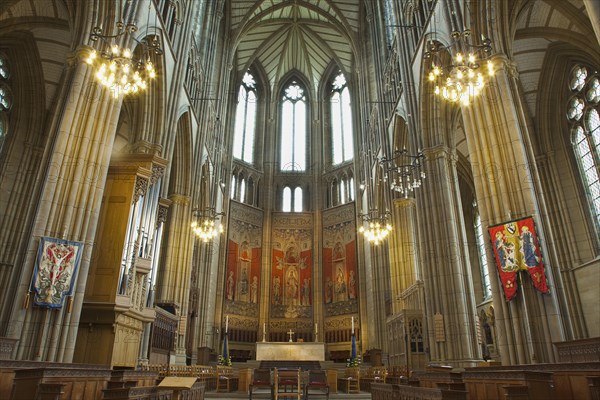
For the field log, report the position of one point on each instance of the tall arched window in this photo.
(293, 128)
(245, 120)
(298, 199)
(342, 147)
(485, 276)
(242, 190)
(582, 113)
(233, 187)
(6, 100)
(287, 200)
(290, 203)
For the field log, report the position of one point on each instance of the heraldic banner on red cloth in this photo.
(54, 271)
(516, 248)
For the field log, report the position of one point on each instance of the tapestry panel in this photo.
(292, 269)
(242, 279)
(340, 275)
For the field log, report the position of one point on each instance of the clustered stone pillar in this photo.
(504, 183)
(173, 286)
(69, 203)
(445, 266)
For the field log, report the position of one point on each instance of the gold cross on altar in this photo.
(290, 333)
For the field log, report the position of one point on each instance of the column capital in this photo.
(439, 151)
(502, 62)
(180, 199)
(404, 202)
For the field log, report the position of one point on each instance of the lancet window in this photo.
(582, 113)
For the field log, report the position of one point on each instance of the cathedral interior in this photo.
(416, 181)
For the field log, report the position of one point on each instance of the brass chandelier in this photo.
(376, 226)
(463, 77)
(116, 66)
(206, 224)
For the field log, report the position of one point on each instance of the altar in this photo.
(296, 351)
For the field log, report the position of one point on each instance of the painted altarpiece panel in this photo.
(242, 279)
(291, 271)
(340, 275)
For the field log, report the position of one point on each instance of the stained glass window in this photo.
(245, 120)
(582, 113)
(293, 128)
(342, 146)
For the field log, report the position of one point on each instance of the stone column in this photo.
(174, 282)
(403, 254)
(85, 118)
(505, 175)
(445, 266)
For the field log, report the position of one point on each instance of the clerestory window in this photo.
(582, 113)
(245, 120)
(342, 146)
(293, 128)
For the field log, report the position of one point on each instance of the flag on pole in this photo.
(225, 349)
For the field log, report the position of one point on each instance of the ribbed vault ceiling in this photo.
(287, 35)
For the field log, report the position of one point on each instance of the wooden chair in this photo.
(226, 379)
(261, 379)
(317, 379)
(350, 383)
(287, 383)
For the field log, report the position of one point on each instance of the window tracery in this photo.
(582, 114)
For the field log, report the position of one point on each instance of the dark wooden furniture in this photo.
(350, 383)
(261, 379)
(287, 383)
(317, 379)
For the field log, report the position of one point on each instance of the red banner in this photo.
(516, 248)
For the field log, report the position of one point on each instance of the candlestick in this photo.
(353, 324)
(316, 327)
(226, 323)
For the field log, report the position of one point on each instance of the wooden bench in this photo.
(383, 391)
(570, 380)
(486, 384)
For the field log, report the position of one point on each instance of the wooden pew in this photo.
(384, 391)
(432, 378)
(570, 380)
(487, 384)
(372, 375)
(397, 374)
(84, 384)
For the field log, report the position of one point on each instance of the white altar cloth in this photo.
(297, 351)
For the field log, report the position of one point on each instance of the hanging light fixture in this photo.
(116, 65)
(463, 77)
(376, 226)
(206, 224)
(403, 171)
